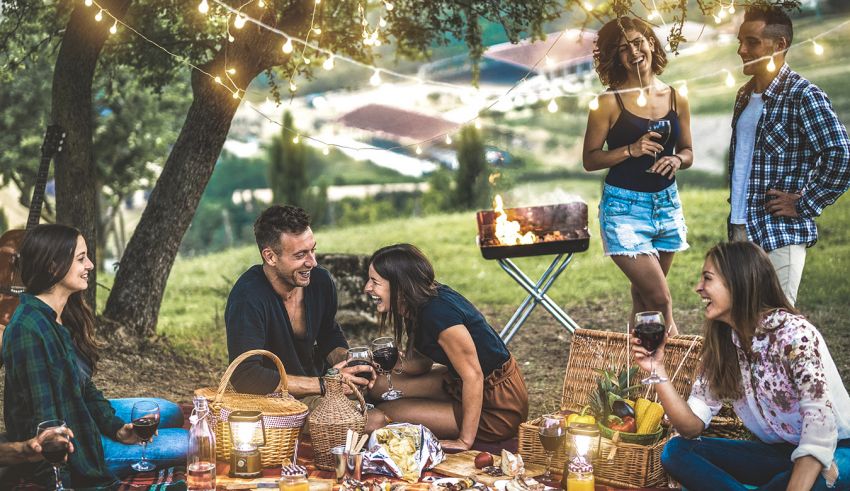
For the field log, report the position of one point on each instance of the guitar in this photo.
(11, 285)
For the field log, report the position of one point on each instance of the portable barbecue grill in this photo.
(560, 230)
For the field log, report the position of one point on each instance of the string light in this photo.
(375, 79)
(326, 150)
(287, 46)
(448, 139)
(732, 7)
(594, 104)
(771, 65)
(231, 71)
(317, 30)
(99, 15)
(683, 89)
(588, 6)
(552, 106)
(641, 100)
(418, 150)
(817, 48)
(717, 19)
(329, 63)
(292, 86)
(730, 80)
(203, 7)
(114, 28)
(217, 79)
(239, 22)
(296, 139)
(88, 3)
(477, 124)
(261, 4)
(307, 61)
(389, 6)
(236, 94)
(230, 38)
(382, 22)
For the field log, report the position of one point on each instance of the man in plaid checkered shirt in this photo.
(790, 155)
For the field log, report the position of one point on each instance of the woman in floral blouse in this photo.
(775, 369)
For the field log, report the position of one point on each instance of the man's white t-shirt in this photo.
(745, 138)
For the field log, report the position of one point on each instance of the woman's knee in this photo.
(673, 450)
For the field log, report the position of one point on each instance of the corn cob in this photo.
(640, 409)
(651, 418)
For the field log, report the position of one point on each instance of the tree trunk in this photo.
(76, 189)
(144, 268)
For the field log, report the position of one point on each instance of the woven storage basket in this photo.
(283, 415)
(332, 418)
(592, 350)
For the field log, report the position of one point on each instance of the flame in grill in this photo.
(507, 231)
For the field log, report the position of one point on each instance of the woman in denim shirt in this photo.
(775, 369)
(640, 216)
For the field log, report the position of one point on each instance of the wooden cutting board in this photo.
(462, 464)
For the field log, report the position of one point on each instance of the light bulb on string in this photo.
(239, 22)
(261, 4)
(217, 79)
(683, 89)
(88, 3)
(295, 139)
(317, 30)
(389, 6)
(329, 63)
(817, 48)
(99, 15)
(771, 65)
(721, 13)
(364, 22)
(448, 139)
(306, 60)
(730, 80)
(477, 124)
(377, 42)
(114, 28)
(231, 71)
(287, 46)
(717, 19)
(326, 150)
(236, 94)
(292, 87)
(418, 150)
(382, 22)
(230, 38)
(552, 106)
(548, 61)
(653, 15)
(732, 8)
(375, 79)
(641, 99)
(594, 103)
(203, 7)
(588, 6)
(318, 2)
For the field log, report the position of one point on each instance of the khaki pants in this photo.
(788, 262)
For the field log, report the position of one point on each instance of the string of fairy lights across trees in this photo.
(310, 50)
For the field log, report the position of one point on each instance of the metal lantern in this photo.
(584, 448)
(245, 454)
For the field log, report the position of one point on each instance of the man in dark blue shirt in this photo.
(286, 305)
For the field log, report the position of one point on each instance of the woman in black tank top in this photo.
(641, 221)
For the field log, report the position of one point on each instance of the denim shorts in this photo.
(635, 222)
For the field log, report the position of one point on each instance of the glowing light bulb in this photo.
(448, 139)
(203, 7)
(99, 15)
(292, 87)
(389, 6)
(721, 13)
(653, 15)
(817, 47)
(594, 104)
(717, 19)
(641, 100)
(732, 8)
(306, 60)
(287, 46)
(114, 28)
(364, 22)
(317, 30)
(771, 65)
(418, 150)
(261, 4)
(217, 79)
(326, 150)
(377, 42)
(318, 2)
(548, 61)
(236, 95)
(730, 80)
(588, 6)
(239, 22)
(295, 139)
(230, 38)
(683, 89)
(88, 3)
(329, 63)
(552, 106)
(382, 22)
(375, 79)
(477, 124)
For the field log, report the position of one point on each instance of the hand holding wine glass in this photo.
(145, 416)
(650, 330)
(385, 354)
(54, 438)
(661, 128)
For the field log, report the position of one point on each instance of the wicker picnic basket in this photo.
(283, 415)
(633, 466)
(332, 418)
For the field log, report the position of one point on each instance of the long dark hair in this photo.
(411, 279)
(46, 256)
(606, 56)
(754, 290)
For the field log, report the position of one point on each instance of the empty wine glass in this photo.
(651, 330)
(385, 354)
(53, 437)
(145, 417)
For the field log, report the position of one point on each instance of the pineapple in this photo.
(610, 386)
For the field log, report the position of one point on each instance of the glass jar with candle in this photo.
(294, 482)
(578, 468)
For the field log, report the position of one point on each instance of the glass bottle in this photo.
(200, 459)
(578, 468)
(294, 482)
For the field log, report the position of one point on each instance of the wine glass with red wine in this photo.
(53, 437)
(145, 418)
(552, 430)
(385, 354)
(361, 356)
(651, 330)
(662, 127)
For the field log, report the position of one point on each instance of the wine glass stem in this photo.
(144, 451)
(652, 365)
(58, 477)
(390, 380)
(548, 472)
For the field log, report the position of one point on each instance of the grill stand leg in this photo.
(536, 295)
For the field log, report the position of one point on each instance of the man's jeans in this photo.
(167, 448)
(713, 464)
(788, 262)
